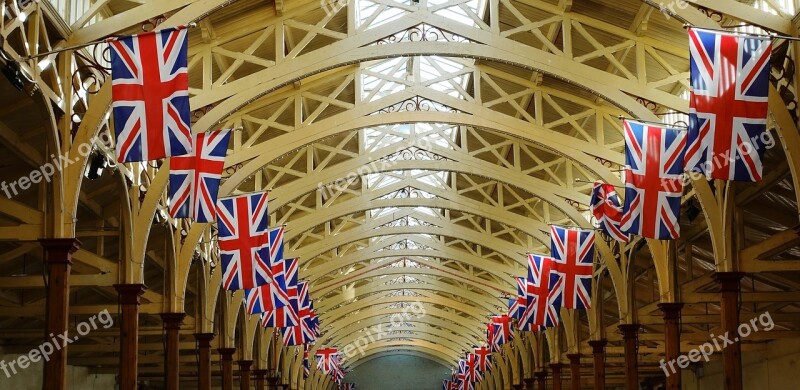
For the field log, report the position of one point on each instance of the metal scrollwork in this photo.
(652, 106)
(417, 103)
(604, 162)
(423, 33)
(152, 23)
(711, 14)
(90, 73)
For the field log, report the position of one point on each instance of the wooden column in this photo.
(729, 288)
(244, 374)
(630, 338)
(541, 380)
(672, 341)
(575, 370)
(129, 300)
(518, 386)
(556, 369)
(599, 354)
(260, 376)
(529, 383)
(204, 360)
(226, 360)
(58, 260)
(172, 369)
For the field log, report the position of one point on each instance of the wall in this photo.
(30, 378)
(399, 372)
(773, 367)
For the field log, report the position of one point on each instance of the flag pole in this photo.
(677, 127)
(82, 45)
(591, 182)
(746, 34)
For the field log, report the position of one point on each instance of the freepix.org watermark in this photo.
(55, 164)
(671, 8)
(378, 332)
(718, 343)
(55, 343)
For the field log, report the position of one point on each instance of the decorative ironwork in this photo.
(200, 112)
(652, 106)
(233, 168)
(413, 153)
(711, 14)
(90, 75)
(152, 23)
(604, 162)
(782, 75)
(417, 103)
(423, 33)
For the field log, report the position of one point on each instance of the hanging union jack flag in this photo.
(728, 104)
(150, 95)
(194, 178)
(542, 304)
(501, 330)
(653, 180)
(472, 368)
(326, 359)
(242, 236)
(607, 209)
(483, 355)
(516, 305)
(262, 299)
(572, 251)
(306, 366)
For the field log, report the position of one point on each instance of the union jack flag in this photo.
(262, 299)
(653, 180)
(283, 273)
(542, 304)
(306, 366)
(607, 209)
(281, 317)
(293, 335)
(326, 359)
(501, 331)
(242, 235)
(516, 305)
(463, 371)
(194, 178)
(472, 368)
(349, 386)
(572, 251)
(483, 355)
(150, 95)
(276, 245)
(446, 384)
(728, 104)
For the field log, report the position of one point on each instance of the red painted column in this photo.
(599, 354)
(556, 369)
(541, 380)
(244, 374)
(204, 360)
(672, 342)
(729, 288)
(172, 369)
(58, 260)
(529, 383)
(129, 300)
(630, 338)
(575, 370)
(260, 376)
(226, 359)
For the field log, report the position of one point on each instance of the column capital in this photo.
(728, 281)
(556, 367)
(226, 353)
(260, 372)
(245, 363)
(598, 346)
(540, 374)
(172, 321)
(59, 250)
(671, 310)
(629, 331)
(130, 294)
(204, 339)
(574, 357)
